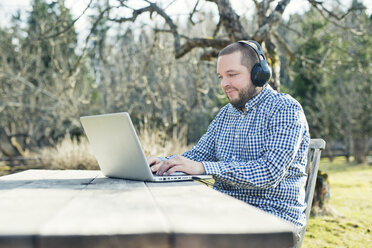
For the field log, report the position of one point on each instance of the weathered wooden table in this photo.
(69, 208)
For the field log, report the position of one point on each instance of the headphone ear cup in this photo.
(255, 70)
(260, 73)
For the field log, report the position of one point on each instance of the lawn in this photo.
(351, 198)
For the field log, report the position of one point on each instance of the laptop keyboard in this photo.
(177, 173)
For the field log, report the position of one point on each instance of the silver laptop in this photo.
(118, 151)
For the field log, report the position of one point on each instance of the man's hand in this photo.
(177, 163)
(154, 163)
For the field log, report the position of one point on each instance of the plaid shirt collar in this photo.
(252, 103)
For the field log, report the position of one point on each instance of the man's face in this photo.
(235, 79)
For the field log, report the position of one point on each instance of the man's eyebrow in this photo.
(228, 71)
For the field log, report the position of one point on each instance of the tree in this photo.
(355, 78)
(139, 75)
(43, 91)
(331, 78)
(55, 79)
(230, 27)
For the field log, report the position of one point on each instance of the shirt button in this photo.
(242, 115)
(233, 157)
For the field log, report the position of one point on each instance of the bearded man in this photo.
(256, 147)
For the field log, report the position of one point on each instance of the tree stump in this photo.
(321, 197)
(321, 193)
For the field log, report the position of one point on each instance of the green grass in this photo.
(351, 198)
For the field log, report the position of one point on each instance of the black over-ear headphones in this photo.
(261, 72)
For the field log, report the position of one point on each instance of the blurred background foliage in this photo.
(48, 79)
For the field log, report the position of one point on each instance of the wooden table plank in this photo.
(148, 240)
(42, 208)
(200, 210)
(248, 240)
(27, 201)
(16, 241)
(13, 181)
(32, 202)
(112, 211)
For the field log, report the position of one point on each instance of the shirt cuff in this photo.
(212, 168)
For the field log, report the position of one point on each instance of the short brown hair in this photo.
(249, 56)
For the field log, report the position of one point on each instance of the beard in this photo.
(245, 95)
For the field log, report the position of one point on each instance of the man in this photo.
(256, 147)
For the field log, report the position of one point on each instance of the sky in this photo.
(179, 8)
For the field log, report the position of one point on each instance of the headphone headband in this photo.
(257, 49)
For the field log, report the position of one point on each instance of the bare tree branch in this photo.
(169, 21)
(285, 47)
(159, 30)
(153, 7)
(100, 17)
(166, 7)
(318, 5)
(325, 56)
(134, 16)
(263, 32)
(217, 28)
(66, 29)
(292, 29)
(209, 55)
(190, 43)
(193, 12)
(230, 20)
(199, 42)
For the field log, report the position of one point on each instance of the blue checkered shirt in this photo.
(259, 155)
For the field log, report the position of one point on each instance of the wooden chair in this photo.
(315, 149)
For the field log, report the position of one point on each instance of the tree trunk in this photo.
(9, 145)
(263, 11)
(272, 56)
(360, 149)
(321, 195)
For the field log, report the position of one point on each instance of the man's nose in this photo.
(224, 83)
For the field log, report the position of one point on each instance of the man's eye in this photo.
(232, 75)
